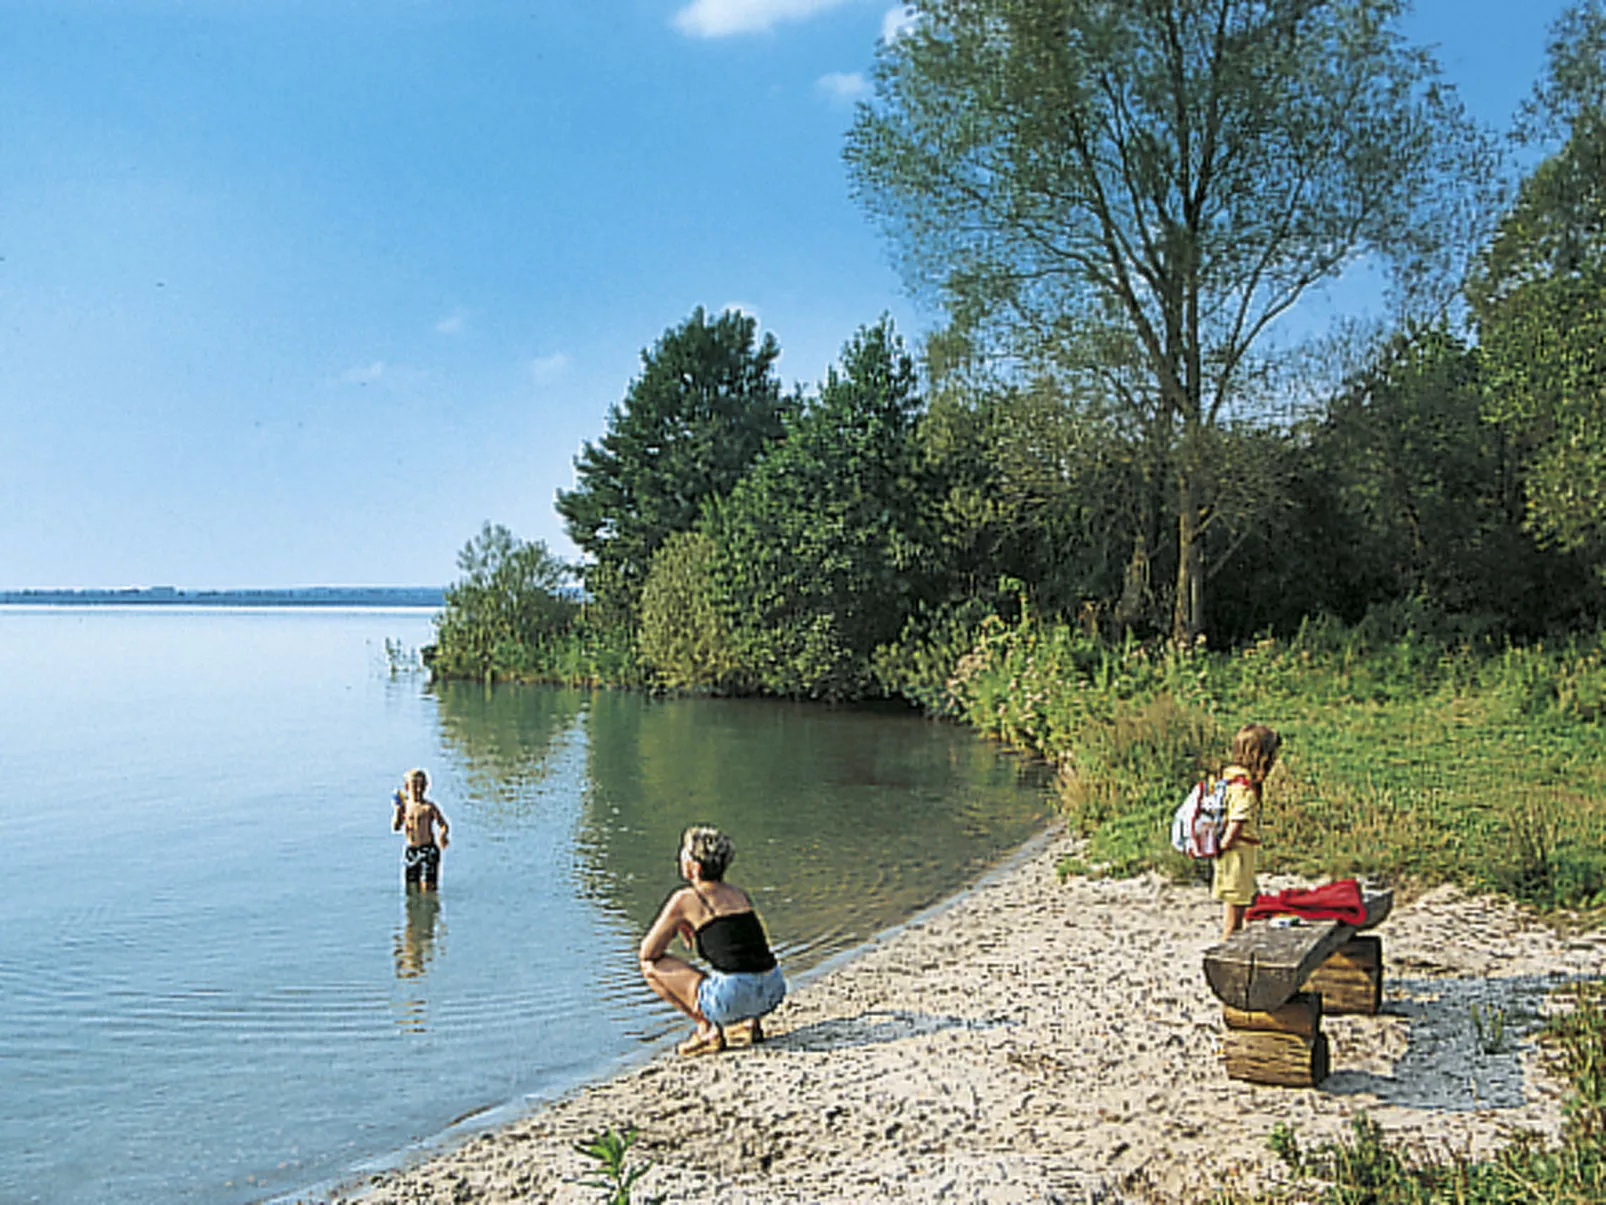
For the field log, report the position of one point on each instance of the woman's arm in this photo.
(670, 919)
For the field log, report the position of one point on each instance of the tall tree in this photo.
(821, 553)
(1540, 294)
(1164, 179)
(705, 405)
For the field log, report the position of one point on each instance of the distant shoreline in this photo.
(292, 596)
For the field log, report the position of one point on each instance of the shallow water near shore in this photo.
(217, 989)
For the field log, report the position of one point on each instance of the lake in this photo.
(216, 988)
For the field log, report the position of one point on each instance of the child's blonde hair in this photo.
(1255, 749)
(419, 778)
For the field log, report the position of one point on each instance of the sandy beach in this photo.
(1045, 1041)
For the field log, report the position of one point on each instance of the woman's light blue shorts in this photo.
(725, 999)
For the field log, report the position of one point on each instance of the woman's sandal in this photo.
(697, 1044)
(744, 1033)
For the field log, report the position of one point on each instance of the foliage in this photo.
(685, 639)
(591, 653)
(1431, 495)
(615, 1177)
(1540, 296)
(705, 406)
(1368, 1168)
(1138, 191)
(920, 664)
(822, 552)
(1370, 784)
(1032, 483)
(505, 608)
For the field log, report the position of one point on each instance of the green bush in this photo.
(503, 612)
(684, 639)
(919, 666)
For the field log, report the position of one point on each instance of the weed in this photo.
(402, 658)
(1535, 832)
(615, 1177)
(1070, 867)
(1284, 1143)
(1489, 1023)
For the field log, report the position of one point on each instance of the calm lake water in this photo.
(215, 988)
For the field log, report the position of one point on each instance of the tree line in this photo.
(1125, 421)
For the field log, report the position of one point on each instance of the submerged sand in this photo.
(1038, 1041)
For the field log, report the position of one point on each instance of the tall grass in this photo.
(1405, 755)
(581, 655)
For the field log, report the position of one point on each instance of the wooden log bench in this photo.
(1276, 983)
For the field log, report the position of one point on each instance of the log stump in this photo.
(1284, 1060)
(1300, 1015)
(1284, 1046)
(1351, 980)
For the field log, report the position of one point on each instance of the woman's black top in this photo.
(735, 943)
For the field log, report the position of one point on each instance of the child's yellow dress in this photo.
(1235, 869)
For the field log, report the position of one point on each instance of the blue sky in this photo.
(300, 292)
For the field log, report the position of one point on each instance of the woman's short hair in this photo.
(1255, 749)
(710, 849)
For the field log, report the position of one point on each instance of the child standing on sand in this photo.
(417, 817)
(1254, 753)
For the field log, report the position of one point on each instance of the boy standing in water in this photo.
(417, 817)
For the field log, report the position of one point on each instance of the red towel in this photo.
(1331, 901)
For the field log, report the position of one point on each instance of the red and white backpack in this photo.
(1201, 820)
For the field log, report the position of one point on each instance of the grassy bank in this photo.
(1406, 756)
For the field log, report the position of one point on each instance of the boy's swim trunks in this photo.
(423, 862)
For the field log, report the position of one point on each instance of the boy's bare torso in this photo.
(418, 822)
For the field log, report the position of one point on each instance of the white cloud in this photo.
(452, 324)
(544, 368)
(364, 374)
(898, 21)
(843, 85)
(722, 18)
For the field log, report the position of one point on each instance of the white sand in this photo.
(1047, 1041)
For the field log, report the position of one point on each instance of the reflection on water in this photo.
(414, 949)
(506, 736)
(845, 820)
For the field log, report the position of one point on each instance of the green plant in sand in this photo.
(1489, 1023)
(615, 1177)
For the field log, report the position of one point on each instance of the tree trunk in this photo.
(1188, 611)
(1133, 608)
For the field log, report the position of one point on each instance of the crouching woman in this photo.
(716, 918)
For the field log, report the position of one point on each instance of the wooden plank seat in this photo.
(1276, 982)
(1260, 967)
